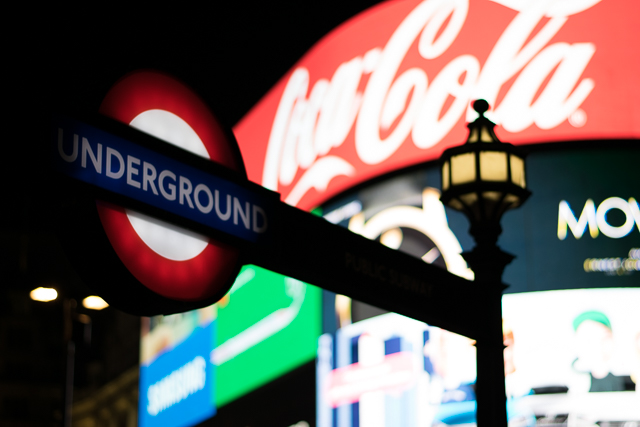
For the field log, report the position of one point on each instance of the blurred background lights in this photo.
(43, 294)
(94, 303)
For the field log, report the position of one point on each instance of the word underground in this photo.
(162, 182)
(177, 386)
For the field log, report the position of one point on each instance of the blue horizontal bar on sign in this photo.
(115, 164)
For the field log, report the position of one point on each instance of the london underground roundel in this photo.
(174, 263)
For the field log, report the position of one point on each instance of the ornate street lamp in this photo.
(483, 179)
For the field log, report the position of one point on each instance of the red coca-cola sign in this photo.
(391, 88)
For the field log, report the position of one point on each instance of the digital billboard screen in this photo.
(571, 322)
(391, 88)
(571, 356)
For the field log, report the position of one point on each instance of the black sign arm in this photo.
(334, 258)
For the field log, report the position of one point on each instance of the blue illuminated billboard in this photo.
(178, 383)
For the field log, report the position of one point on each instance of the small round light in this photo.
(94, 303)
(43, 294)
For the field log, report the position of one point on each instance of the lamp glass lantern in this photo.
(483, 177)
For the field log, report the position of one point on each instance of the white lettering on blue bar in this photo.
(140, 173)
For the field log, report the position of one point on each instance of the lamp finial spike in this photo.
(481, 106)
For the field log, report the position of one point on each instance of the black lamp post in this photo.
(71, 320)
(484, 178)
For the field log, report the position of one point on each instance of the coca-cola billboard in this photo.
(391, 88)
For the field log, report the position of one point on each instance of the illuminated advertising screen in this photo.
(176, 377)
(572, 356)
(267, 325)
(391, 88)
(196, 362)
(571, 322)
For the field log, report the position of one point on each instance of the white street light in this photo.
(94, 302)
(43, 294)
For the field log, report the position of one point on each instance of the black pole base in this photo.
(488, 262)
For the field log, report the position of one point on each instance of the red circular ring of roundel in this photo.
(197, 278)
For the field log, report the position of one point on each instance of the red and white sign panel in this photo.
(172, 262)
(392, 87)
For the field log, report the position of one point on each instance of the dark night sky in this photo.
(231, 55)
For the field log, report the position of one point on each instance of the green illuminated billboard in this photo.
(268, 324)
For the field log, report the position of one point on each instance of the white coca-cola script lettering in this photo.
(311, 121)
